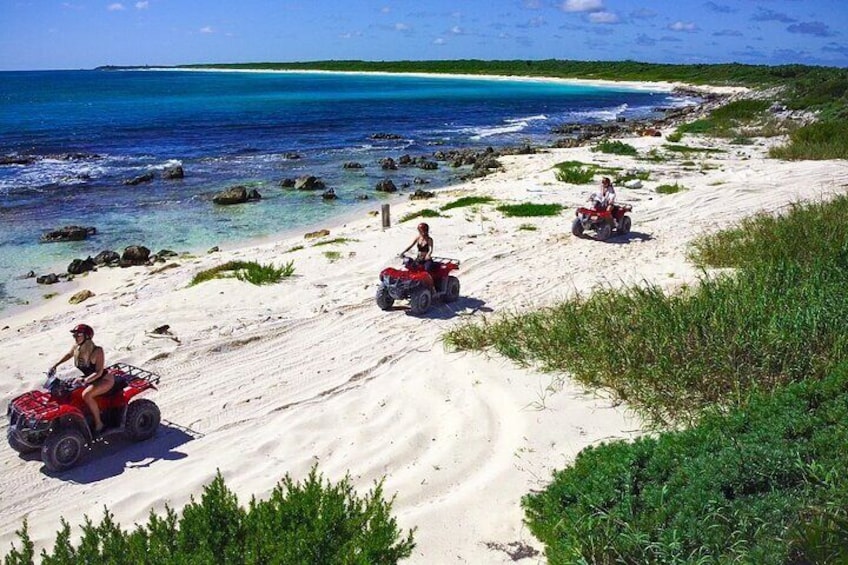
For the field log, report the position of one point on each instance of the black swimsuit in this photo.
(423, 249)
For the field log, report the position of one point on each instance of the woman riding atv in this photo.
(425, 247)
(89, 359)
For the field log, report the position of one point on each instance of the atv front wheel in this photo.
(577, 227)
(420, 300)
(18, 445)
(142, 419)
(384, 299)
(624, 226)
(452, 290)
(62, 449)
(604, 232)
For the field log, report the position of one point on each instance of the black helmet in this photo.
(84, 329)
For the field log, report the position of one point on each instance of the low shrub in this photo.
(761, 484)
(527, 227)
(467, 201)
(821, 140)
(335, 241)
(688, 149)
(674, 137)
(615, 148)
(529, 209)
(312, 522)
(425, 213)
(669, 188)
(248, 271)
(333, 256)
(574, 172)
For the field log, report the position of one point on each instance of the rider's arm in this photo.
(98, 366)
(410, 246)
(64, 358)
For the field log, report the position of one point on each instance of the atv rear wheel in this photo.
(420, 300)
(142, 419)
(452, 290)
(62, 449)
(18, 445)
(577, 227)
(384, 299)
(604, 232)
(624, 226)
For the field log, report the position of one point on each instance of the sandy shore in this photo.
(261, 381)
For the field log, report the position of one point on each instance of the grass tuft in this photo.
(529, 209)
(615, 148)
(669, 188)
(425, 213)
(467, 201)
(248, 271)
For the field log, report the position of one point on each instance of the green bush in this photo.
(529, 209)
(669, 188)
(821, 140)
(674, 137)
(334, 241)
(779, 320)
(575, 172)
(312, 522)
(615, 148)
(688, 149)
(248, 271)
(467, 201)
(738, 488)
(425, 213)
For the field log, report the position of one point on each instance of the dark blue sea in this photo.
(85, 132)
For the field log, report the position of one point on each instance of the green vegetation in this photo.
(50, 295)
(674, 137)
(615, 148)
(669, 188)
(528, 209)
(293, 249)
(248, 271)
(823, 140)
(335, 241)
(753, 360)
(312, 522)
(688, 149)
(632, 175)
(333, 256)
(726, 120)
(575, 172)
(762, 484)
(467, 201)
(425, 213)
(527, 227)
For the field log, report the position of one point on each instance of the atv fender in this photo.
(72, 421)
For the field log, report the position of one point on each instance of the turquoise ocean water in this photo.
(84, 132)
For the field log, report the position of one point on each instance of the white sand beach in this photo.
(258, 382)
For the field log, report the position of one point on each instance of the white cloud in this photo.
(583, 5)
(603, 18)
(142, 5)
(400, 26)
(385, 9)
(115, 7)
(207, 29)
(439, 41)
(456, 30)
(682, 26)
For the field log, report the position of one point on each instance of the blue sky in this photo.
(44, 34)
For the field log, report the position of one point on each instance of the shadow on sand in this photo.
(110, 456)
(463, 306)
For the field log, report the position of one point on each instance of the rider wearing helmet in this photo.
(89, 359)
(425, 246)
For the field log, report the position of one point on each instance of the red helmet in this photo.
(423, 227)
(83, 329)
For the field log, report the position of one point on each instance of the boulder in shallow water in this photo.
(51, 278)
(236, 195)
(309, 182)
(68, 233)
(386, 185)
(146, 177)
(173, 172)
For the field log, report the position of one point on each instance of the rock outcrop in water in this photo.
(236, 195)
(68, 233)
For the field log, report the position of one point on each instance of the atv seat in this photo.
(120, 383)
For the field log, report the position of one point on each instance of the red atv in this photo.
(602, 221)
(416, 284)
(57, 422)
